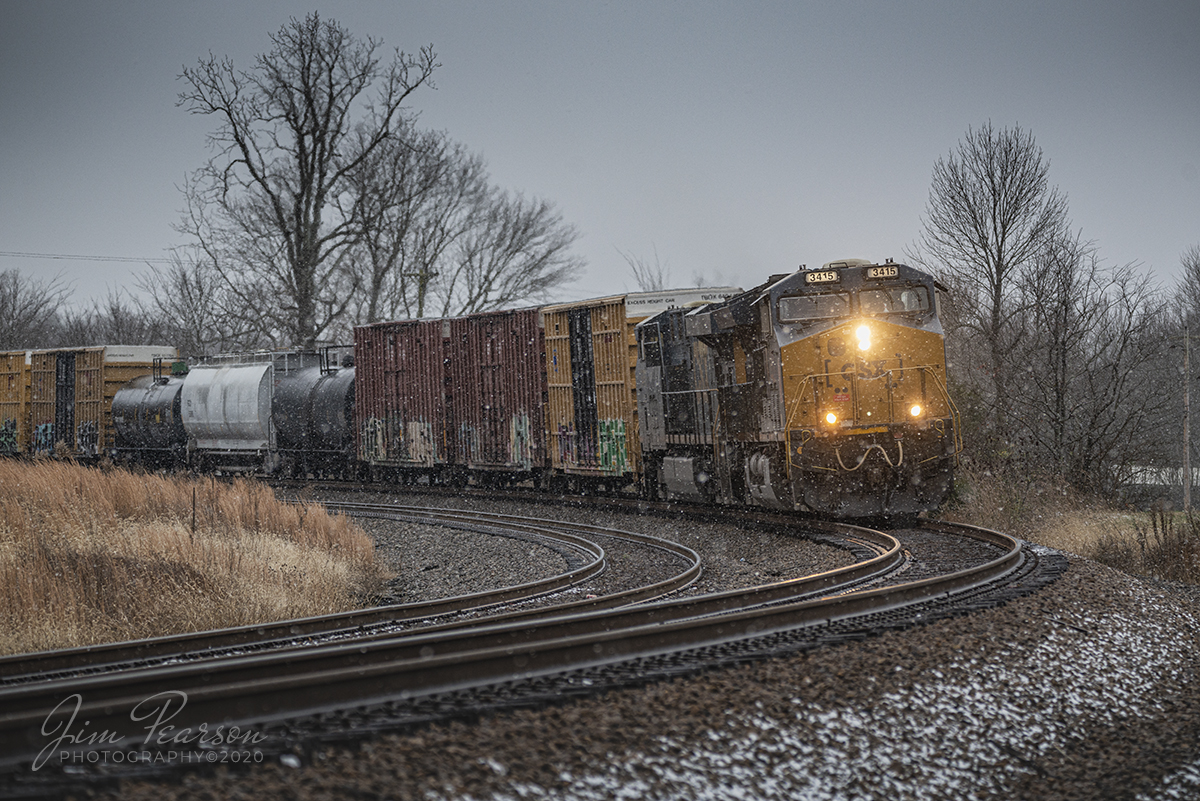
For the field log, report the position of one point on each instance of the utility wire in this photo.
(17, 255)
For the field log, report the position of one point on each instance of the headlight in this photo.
(831, 418)
(916, 410)
(864, 337)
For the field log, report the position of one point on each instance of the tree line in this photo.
(326, 205)
(1062, 365)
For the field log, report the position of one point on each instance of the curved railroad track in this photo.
(365, 676)
(586, 559)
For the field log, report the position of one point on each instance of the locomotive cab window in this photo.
(894, 300)
(813, 307)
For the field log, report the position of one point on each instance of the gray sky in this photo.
(735, 139)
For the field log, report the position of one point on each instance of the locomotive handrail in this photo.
(955, 416)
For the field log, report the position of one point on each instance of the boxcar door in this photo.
(583, 382)
(64, 399)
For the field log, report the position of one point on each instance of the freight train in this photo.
(821, 390)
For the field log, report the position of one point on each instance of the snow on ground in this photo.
(1086, 689)
(965, 729)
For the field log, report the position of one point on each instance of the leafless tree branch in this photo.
(266, 207)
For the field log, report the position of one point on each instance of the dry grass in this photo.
(1160, 544)
(90, 556)
(1165, 545)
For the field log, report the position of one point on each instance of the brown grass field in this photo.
(90, 556)
(1164, 545)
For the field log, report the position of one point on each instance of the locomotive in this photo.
(822, 390)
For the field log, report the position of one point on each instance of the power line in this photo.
(66, 256)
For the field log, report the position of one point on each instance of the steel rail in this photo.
(888, 557)
(358, 624)
(16, 665)
(273, 686)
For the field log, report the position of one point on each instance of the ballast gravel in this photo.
(1087, 689)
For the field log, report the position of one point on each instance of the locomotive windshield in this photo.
(813, 307)
(894, 300)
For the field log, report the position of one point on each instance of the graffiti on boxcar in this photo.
(8, 436)
(395, 440)
(567, 452)
(87, 438)
(520, 441)
(43, 438)
(416, 444)
(374, 444)
(614, 457)
(468, 443)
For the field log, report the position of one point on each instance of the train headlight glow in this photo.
(916, 410)
(864, 337)
(831, 418)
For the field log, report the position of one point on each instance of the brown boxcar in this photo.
(591, 353)
(400, 393)
(14, 401)
(498, 392)
(71, 392)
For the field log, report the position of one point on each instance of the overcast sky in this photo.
(734, 140)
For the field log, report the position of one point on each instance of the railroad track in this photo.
(586, 559)
(380, 679)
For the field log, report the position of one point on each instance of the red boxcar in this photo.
(448, 397)
(400, 393)
(498, 392)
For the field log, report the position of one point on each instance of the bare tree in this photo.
(118, 319)
(1091, 388)
(388, 196)
(650, 277)
(29, 310)
(1188, 302)
(198, 312)
(516, 249)
(436, 238)
(1064, 298)
(414, 200)
(264, 210)
(991, 212)
(1188, 287)
(1123, 393)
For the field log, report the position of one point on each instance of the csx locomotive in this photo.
(822, 390)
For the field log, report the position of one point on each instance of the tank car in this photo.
(822, 390)
(227, 413)
(312, 412)
(148, 420)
